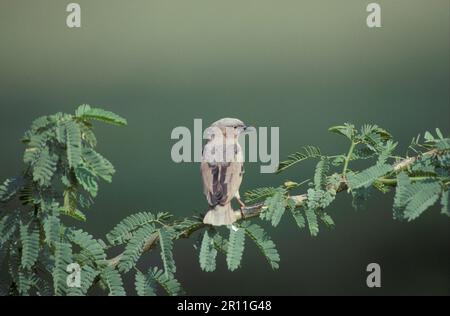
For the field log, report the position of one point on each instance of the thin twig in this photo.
(254, 210)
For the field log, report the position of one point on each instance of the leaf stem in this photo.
(349, 156)
(393, 182)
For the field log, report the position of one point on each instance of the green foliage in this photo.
(29, 237)
(63, 257)
(63, 172)
(298, 217)
(412, 199)
(86, 112)
(313, 224)
(259, 194)
(166, 245)
(87, 180)
(320, 175)
(264, 243)
(208, 254)
(73, 142)
(52, 226)
(347, 130)
(145, 284)
(135, 247)
(276, 205)
(305, 153)
(88, 277)
(9, 188)
(8, 226)
(44, 167)
(113, 281)
(170, 285)
(124, 230)
(61, 168)
(235, 248)
(367, 177)
(89, 245)
(97, 164)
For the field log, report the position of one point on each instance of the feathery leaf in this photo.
(86, 112)
(264, 243)
(235, 248)
(307, 152)
(208, 254)
(166, 245)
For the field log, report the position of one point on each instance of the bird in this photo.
(222, 169)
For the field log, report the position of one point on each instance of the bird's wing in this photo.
(221, 181)
(233, 179)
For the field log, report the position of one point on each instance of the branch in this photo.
(256, 209)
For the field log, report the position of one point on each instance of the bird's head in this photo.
(229, 127)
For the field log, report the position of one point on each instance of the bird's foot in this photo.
(242, 207)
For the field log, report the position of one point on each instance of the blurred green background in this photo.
(299, 65)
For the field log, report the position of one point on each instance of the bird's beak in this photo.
(249, 129)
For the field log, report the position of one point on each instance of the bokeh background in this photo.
(299, 65)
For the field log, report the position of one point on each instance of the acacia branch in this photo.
(256, 209)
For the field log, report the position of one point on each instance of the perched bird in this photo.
(222, 169)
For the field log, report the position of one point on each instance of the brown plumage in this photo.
(222, 170)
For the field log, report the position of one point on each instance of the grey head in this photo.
(228, 127)
(228, 122)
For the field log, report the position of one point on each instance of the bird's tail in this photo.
(220, 215)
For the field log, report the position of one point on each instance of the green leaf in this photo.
(235, 251)
(75, 214)
(86, 112)
(87, 180)
(327, 220)
(73, 141)
(113, 281)
(276, 205)
(10, 188)
(425, 195)
(52, 229)
(311, 217)
(135, 247)
(35, 144)
(364, 179)
(144, 284)
(8, 226)
(186, 226)
(299, 218)
(305, 153)
(123, 231)
(347, 130)
(402, 194)
(259, 194)
(320, 175)
(88, 244)
(29, 237)
(166, 245)
(386, 151)
(369, 132)
(88, 276)
(220, 243)
(208, 254)
(63, 257)
(264, 243)
(70, 205)
(98, 164)
(168, 283)
(412, 199)
(44, 168)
